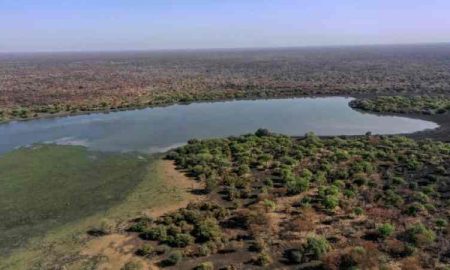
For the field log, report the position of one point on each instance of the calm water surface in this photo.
(157, 129)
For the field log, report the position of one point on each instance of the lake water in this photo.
(158, 129)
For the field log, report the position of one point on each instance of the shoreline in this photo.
(163, 105)
(442, 132)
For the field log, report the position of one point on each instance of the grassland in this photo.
(51, 196)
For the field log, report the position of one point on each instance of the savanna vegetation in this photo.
(33, 85)
(404, 104)
(371, 202)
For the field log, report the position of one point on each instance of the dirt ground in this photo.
(115, 250)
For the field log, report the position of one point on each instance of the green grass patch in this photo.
(46, 186)
(51, 195)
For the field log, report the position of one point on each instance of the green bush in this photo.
(207, 230)
(141, 225)
(414, 209)
(145, 250)
(158, 233)
(441, 223)
(358, 211)
(180, 240)
(420, 235)
(385, 230)
(330, 202)
(316, 246)
(174, 258)
(205, 266)
(211, 184)
(297, 185)
(269, 205)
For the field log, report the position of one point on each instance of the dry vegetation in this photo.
(371, 202)
(36, 84)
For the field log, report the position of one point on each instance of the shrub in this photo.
(349, 193)
(243, 169)
(420, 235)
(180, 240)
(330, 202)
(141, 225)
(205, 266)
(211, 184)
(331, 190)
(397, 180)
(263, 259)
(305, 202)
(358, 211)
(441, 223)
(294, 256)
(162, 249)
(421, 197)
(316, 246)
(269, 205)
(145, 250)
(385, 230)
(414, 208)
(393, 199)
(258, 245)
(158, 233)
(204, 250)
(174, 258)
(133, 265)
(339, 183)
(268, 182)
(207, 230)
(360, 180)
(397, 248)
(297, 185)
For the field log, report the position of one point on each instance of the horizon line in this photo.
(224, 48)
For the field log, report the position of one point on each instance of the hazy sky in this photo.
(59, 25)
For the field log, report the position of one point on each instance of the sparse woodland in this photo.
(372, 202)
(38, 84)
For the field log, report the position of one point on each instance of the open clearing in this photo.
(50, 196)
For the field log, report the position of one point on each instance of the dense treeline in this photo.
(372, 202)
(404, 104)
(35, 84)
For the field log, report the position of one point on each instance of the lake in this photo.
(158, 129)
